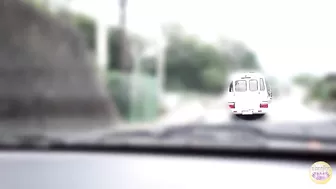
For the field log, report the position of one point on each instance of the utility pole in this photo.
(161, 67)
(137, 56)
(101, 44)
(101, 40)
(123, 56)
(124, 60)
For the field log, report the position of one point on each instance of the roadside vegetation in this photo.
(191, 64)
(319, 89)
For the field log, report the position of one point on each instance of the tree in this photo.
(87, 26)
(135, 42)
(322, 89)
(193, 64)
(40, 4)
(239, 56)
(305, 80)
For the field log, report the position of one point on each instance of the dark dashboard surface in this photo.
(28, 170)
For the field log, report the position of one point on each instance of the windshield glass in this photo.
(73, 68)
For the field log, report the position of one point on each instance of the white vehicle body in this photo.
(249, 94)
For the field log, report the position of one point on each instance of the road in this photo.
(185, 114)
(284, 109)
(281, 110)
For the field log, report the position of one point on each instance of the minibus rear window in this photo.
(262, 84)
(253, 85)
(231, 87)
(240, 86)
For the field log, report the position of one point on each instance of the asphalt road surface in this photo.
(284, 109)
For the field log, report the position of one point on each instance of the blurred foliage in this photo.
(145, 106)
(41, 4)
(330, 84)
(191, 64)
(88, 28)
(323, 90)
(86, 24)
(305, 80)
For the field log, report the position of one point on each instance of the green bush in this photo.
(118, 87)
(323, 91)
(332, 91)
(145, 104)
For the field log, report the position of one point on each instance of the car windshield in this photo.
(76, 69)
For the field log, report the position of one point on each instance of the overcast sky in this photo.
(289, 36)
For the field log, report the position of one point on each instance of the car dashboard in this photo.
(83, 170)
